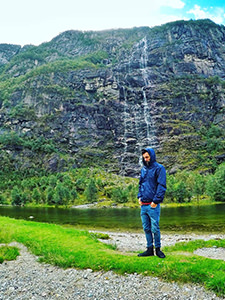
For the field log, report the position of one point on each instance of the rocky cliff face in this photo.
(98, 98)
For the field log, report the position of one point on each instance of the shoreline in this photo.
(96, 205)
(166, 205)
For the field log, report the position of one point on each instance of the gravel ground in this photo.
(136, 241)
(25, 278)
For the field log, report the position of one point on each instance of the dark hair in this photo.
(143, 151)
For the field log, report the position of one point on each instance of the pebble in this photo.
(27, 279)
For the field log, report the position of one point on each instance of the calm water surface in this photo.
(198, 218)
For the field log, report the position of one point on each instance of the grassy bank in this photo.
(8, 253)
(69, 247)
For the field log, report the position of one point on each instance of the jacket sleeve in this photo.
(139, 189)
(161, 186)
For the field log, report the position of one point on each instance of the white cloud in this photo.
(156, 5)
(198, 12)
(173, 3)
(219, 16)
(215, 14)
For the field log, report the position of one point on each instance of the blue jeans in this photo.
(150, 222)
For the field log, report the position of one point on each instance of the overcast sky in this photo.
(34, 22)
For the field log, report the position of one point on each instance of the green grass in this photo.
(8, 253)
(69, 247)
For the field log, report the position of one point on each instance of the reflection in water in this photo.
(210, 217)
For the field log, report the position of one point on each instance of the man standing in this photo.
(152, 188)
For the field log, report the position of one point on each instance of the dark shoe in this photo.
(159, 253)
(148, 252)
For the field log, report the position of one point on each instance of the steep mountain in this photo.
(98, 98)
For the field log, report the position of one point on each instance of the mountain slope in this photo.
(98, 98)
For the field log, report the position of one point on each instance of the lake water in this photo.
(197, 218)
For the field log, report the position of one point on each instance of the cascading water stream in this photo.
(139, 129)
(125, 113)
(135, 109)
(151, 139)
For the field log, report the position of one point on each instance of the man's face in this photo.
(146, 157)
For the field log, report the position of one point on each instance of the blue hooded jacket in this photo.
(152, 183)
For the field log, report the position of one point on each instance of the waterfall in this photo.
(150, 139)
(126, 115)
(146, 116)
(138, 132)
(131, 122)
(139, 129)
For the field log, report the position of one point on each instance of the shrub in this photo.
(215, 185)
(61, 194)
(91, 191)
(36, 195)
(52, 181)
(120, 195)
(18, 198)
(74, 194)
(181, 192)
(2, 199)
(80, 184)
(50, 195)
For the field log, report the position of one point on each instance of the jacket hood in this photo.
(151, 152)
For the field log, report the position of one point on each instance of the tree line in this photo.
(80, 186)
